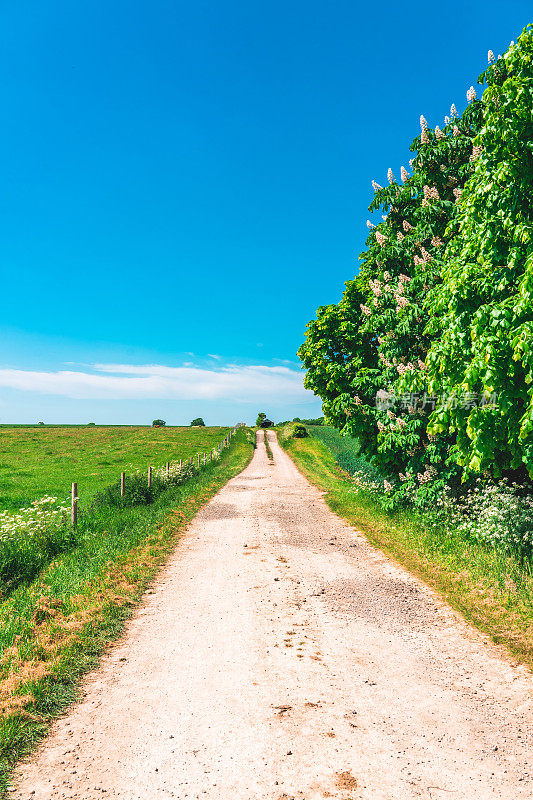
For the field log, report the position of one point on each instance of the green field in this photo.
(38, 461)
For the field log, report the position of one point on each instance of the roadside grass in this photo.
(493, 590)
(268, 449)
(37, 461)
(53, 630)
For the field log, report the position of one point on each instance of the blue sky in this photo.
(184, 183)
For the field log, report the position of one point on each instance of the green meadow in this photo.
(37, 461)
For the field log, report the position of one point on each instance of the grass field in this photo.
(37, 461)
(490, 588)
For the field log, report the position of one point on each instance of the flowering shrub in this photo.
(498, 514)
(31, 537)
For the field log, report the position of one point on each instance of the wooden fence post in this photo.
(122, 483)
(149, 476)
(198, 460)
(168, 469)
(74, 505)
(180, 463)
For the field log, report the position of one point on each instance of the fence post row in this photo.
(207, 457)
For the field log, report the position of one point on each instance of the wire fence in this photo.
(199, 461)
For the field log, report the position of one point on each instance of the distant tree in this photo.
(262, 420)
(91, 424)
(198, 423)
(158, 423)
(40, 423)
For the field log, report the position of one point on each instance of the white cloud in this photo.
(244, 384)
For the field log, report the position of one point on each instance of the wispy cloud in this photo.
(240, 383)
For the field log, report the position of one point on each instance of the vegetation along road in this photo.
(280, 656)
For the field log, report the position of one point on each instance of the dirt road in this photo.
(280, 656)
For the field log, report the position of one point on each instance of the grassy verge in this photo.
(268, 449)
(54, 629)
(492, 590)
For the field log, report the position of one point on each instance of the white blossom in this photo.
(423, 122)
(456, 130)
(369, 225)
(471, 94)
(376, 187)
(380, 239)
(431, 193)
(490, 57)
(453, 110)
(390, 175)
(404, 174)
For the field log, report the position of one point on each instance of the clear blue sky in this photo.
(184, 183)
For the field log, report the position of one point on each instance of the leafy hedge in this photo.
(428, 357)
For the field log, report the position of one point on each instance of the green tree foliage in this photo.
(158, 423)
(357, 351)
(198, 422)
(438, 321)
(262, 421)
(483, 309)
